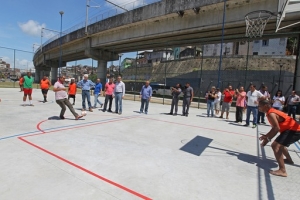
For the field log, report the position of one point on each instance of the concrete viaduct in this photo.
(164, 24)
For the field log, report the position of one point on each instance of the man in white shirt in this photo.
(119, 93)
(61, 98)
(261, 115)
(292, 103)
(253, 97)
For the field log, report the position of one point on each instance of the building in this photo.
(215, 49)
(269, 47)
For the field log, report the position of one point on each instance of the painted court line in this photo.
(27, 133)
(78, 166)
(211, 129)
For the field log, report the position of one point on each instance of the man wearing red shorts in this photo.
(289, 131)
(27, 88)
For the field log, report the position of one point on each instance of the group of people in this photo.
(257, 102)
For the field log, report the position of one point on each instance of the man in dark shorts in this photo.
(45, 85)
(188, 95)
(289, 131)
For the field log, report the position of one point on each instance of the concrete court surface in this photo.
(133, 156)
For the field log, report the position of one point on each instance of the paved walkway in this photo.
(133, 156)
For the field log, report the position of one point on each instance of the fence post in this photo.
(200, 79)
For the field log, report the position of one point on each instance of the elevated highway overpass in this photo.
(164, 24)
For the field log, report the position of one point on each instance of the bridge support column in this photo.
(40, 72)
(297, 70)
(54, 74)
(102, 70)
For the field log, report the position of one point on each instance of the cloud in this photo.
(20, 63)
(32, 27)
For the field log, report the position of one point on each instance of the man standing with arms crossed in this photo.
(45, 85)
(108, 93)
(289, 131)
(85, 86)
(175, 98)
(119, 93)
(145, 95)
(27, 88)
(188, 95)
(61, 98)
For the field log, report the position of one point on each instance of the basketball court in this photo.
(133, 156)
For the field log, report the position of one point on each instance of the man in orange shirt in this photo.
(21, 83)
(228, 96)
(45, 85)
(289, 131)
(72, 90)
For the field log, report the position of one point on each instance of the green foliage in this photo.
(292, 44)
(93, 77)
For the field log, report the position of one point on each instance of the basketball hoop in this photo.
(256, 22)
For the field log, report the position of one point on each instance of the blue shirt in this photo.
(85, 84)
(98, 88)
(146, 92)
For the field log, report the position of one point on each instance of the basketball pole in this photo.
(247, 58)
(222, 40)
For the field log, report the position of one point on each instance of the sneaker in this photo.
(246, 125)
(175, 114)
(31, 105)
(44, 101)
(103, 110)
(109, 111)
(170, 113)
(254, 126)
(61, 117)
(73, 104)
(90, 110)
(221, 117)
(258, 123)
(120, 113)
(101, 105)
(146, 113)
(183, 115)
(186, 115)
(141, 112)
(78, 117)
(83, 109)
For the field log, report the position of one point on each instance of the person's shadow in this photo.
(265, 164)
(58, 118)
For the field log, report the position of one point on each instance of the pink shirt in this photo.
(60, 94)
(240, 101)
(109, 88)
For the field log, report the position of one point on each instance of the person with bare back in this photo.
(289, 131)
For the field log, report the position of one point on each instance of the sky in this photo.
(22, 20)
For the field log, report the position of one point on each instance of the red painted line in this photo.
(200, 127)
(86, 170)
(39, 124)
(74, 127)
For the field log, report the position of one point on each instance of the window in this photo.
(273, 52)
(265, 43)
(255, 53)
(256, 41)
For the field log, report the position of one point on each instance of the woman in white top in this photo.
(278, 100)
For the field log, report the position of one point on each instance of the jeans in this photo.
(292, 110)
(144, 103)
(239, 114)
(210, 107)
(63, 103)
(96, 100)
(261, 117)
(186, 105)
(174, 104)
(118, 102)
(86, 95)
(254, 111)
(108, 98)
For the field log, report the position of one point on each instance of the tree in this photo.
(292, 44)
(93, 77)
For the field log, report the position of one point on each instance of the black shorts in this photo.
(44, 91)
(72, 96)
(288, 137)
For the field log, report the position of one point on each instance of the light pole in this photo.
(281, 65)
(60, 53)
(87, 14)
(120, 56)
(42, 35)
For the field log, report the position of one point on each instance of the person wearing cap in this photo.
(217, 102)
(85, 86)
(289, 131)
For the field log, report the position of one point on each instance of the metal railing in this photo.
(110, 13)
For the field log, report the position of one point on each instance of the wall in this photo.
(275, 46)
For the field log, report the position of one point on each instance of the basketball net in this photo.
(256, 22)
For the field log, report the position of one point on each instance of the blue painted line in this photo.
(27, 133)
(298, 147)
(19, 135)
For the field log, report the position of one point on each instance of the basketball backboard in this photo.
(287, 7)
